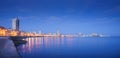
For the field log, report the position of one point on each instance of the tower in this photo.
(15, 24)
(58, 33)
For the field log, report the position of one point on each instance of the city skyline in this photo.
(15, 31)
(68, 16)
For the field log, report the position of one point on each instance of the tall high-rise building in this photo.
(15, 24)
(58, 32)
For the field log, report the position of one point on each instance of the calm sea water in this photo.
(47, 47)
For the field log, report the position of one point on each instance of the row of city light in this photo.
(6, 32)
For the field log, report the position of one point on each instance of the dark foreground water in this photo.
(46, 47)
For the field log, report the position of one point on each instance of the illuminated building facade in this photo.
(3, 31)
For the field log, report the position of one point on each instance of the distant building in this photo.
(15, 24)
(1, 27)
(40, 32)
(58, 33)
(3, 31)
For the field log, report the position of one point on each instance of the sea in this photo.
(70, 47)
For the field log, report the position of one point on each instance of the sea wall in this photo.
(7, 48)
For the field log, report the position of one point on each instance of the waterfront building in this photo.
(58, 33)
(3, 31)
(15, 24)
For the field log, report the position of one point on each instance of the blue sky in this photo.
(68, 16)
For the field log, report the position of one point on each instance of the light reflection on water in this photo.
(49, 47)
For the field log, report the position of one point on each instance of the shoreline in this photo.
(7, 48)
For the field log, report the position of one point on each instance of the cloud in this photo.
(28, 17)
(113, 10)
(54, 18)
(71, 10)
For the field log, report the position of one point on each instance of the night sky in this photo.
(68, 16)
